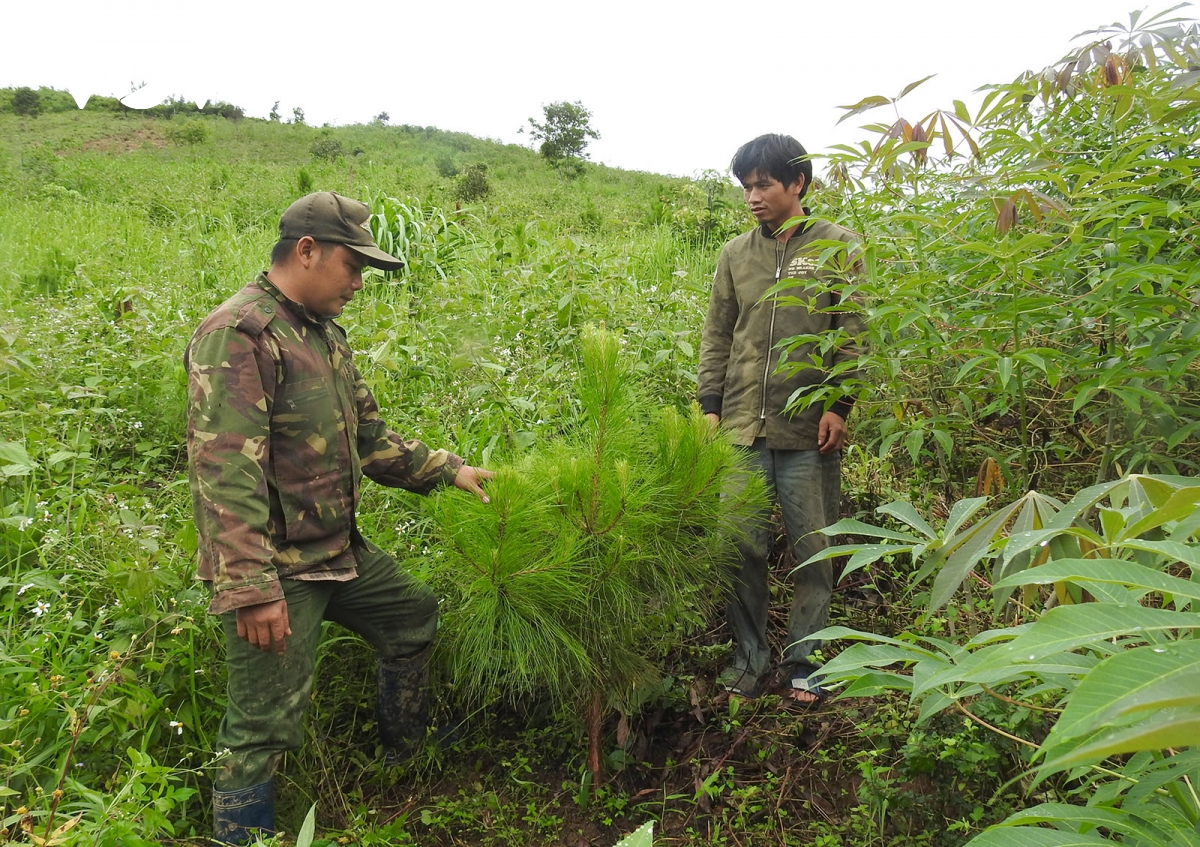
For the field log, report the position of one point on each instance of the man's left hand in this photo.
(471, 479)
(831, 432)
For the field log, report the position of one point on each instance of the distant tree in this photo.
(26, 101)
(274, 116)
(298, 116)
(327, 147)
(472, 184)
(382, 118)
(564, 133)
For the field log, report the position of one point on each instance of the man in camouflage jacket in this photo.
(281, 430)
(748, 379)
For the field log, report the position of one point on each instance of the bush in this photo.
(188, 132)
(472, 184)
(327, 147)
(446, 166)
(25, 101)
(304, 182)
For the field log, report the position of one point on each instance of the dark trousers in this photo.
(269, 693)
(806, 486)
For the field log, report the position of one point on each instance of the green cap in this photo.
(330, 217)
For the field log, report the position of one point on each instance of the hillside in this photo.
(1022, 531)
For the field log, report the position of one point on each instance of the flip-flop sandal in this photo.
(799, 680)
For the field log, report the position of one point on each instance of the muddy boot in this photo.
(402, 707)
(236, 813)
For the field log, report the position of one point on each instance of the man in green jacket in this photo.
(773, 360)
(281, 429)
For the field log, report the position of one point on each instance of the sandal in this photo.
(799, 687)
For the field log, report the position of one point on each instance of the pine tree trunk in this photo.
(594, 720)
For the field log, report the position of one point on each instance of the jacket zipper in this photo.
(779, 257)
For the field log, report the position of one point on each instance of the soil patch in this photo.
(126, 142)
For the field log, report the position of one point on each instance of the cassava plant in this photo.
(1031, 266)
(1107, 655)
(596, 554)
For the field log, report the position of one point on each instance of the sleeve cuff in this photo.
(229, 599)
(710, 404)
(842, 407)
(450, 469)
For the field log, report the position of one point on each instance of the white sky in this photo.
(674, 87)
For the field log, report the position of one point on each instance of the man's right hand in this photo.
(713, 418)
(265, 626)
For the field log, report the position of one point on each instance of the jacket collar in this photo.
(297, 309)
(767, 232)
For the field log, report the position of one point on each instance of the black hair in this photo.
(779, 156)
(283, 250)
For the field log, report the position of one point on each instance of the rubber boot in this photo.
(402, 706)
(236, 813)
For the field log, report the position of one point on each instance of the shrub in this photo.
(25, 101)
(472, 184)
(188, 132)
(304, 181)
(446, 166)
(327, 147)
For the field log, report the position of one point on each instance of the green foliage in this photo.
(1052, 243)
(327, 147)
(25, 101)
(564, 134)
(1114, 648)
(472, 183)
(708, 211)
(304, 182)
(597, 552)
(297, 116)
(188, 131)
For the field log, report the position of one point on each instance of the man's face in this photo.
(333, 279)
(770, 201)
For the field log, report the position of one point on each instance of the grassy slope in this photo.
(115, 242)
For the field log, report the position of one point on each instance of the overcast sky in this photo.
(674, 87)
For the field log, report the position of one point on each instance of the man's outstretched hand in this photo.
(471, 479)
(265, 625)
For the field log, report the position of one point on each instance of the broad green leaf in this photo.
(1171, 728)
(1077, 817)
(873, 683)
(850, 526)
(1181, 504)
(1117, 571)
(1023, 836)
(643, 836)
(964, 551)
(307, 829)
(14, 461)
(1144, 678)
(905, 513)
(1066, 628)
(1172, 551)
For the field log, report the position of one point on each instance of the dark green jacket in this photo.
(281, 430)
(740, 378)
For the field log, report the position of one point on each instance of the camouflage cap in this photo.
(333, 218)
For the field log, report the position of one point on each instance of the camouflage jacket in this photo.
(281, 429)
(740, 377)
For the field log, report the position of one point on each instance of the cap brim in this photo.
(376, 258)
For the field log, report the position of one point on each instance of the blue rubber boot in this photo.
(237, 813)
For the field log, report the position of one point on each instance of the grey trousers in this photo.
(806, 486)
(269, 693)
